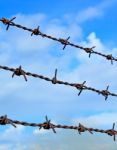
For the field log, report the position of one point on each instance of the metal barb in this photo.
(4, 120)
(62, 41)
(82, 128)
(36, 31)
(65, 42)
(110, 57)
(19, 72)
(105, 93)
(80, 87)
(7, 22)
(54, 79)
(89, 50)
(47, 125)
(112, 132)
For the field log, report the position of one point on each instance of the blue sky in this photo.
(59, 9)
(88, 23)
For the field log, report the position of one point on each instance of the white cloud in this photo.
(4, 146)
(42, 131)
(21, 41)
(13, 134)
(20, 146)
(93, 12)
(30, 20)
(106, 4)
(45, 63)
(89, 68)
(98, 120)
(36, 56)
(33, 52)
(95, 41)
(87, 65)
(89, 13)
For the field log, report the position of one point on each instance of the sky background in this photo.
(88, 23)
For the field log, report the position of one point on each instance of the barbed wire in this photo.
(48, 125)
(80, 86)
(64, 42)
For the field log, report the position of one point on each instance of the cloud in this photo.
(4, 146)
(45, 62)
(88, 14)
(12, 134)
(21, 42)
(93, 12)
(26, 49)
(37, 98)
(42, 131)
(98, 120)
(20, 146)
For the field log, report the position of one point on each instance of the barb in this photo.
(7, 22)
(19, 72)
(65, 42)
(106, 93)
(4, 120)
(54, 79)
(112, 132)
(47, 126)
(80, 87)
(36, 31)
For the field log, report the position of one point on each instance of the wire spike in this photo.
(81, 88)
(12, 19)
(36, 31)
(110, 57)
(113, 130)
(65, 42)
(19, 72)
(54, 79)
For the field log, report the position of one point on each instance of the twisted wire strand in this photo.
(80, 86)
(48, 125)
(64, 42)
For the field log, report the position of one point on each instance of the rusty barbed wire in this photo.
(64, 42)
(47, 125)
(80, 86)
